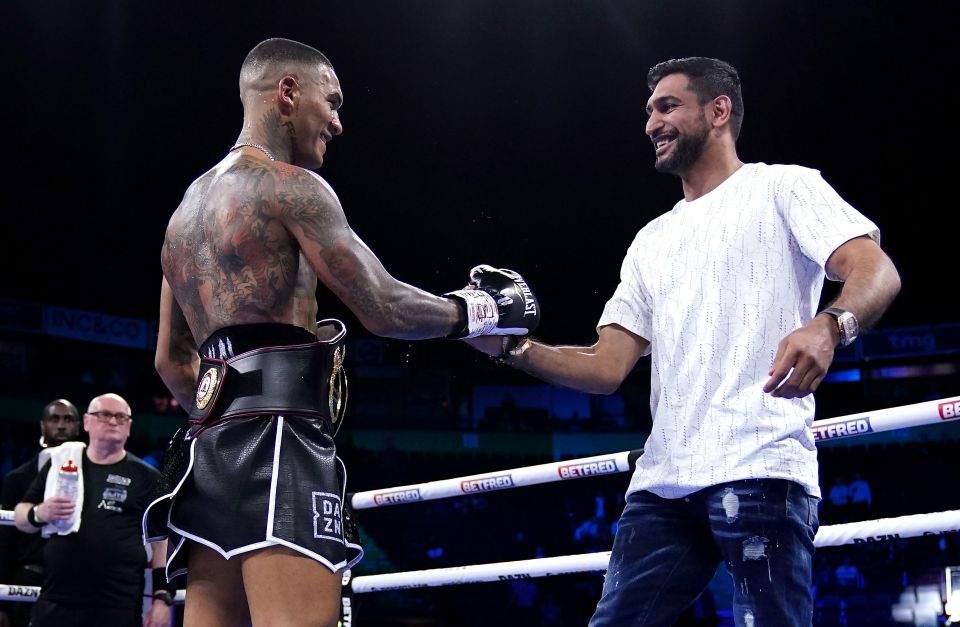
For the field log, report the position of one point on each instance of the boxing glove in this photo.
(501, 303)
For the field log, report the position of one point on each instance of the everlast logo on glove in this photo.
(515, 306)
(530, 304)
(529, 300)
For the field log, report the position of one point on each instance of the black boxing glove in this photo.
(501, 304)
(517, 308)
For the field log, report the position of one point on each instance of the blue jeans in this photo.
(667, 551)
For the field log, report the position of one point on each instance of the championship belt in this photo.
(303, 379)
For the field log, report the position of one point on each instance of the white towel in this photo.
(58, 456)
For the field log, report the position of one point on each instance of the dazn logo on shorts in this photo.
(327, 516)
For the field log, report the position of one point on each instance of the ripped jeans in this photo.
(667, 551)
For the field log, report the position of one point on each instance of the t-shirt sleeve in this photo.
(629, 306)
(34, 493)
(820, 220)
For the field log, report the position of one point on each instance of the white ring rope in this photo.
(499, 480)
(852, 425)
(30, 593)
(833, 535)
(478, 573)
(917, 414)
(925, 413)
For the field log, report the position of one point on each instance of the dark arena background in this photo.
(507, 132)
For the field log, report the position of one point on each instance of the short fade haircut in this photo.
(280, 52)
(60, 401)
(709, 78)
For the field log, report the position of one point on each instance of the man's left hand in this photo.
(802, 359)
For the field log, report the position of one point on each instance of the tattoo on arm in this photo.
(183, 349)
(351, 270)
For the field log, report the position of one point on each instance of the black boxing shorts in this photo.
(244, 476)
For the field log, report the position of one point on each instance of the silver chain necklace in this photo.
(257, 146)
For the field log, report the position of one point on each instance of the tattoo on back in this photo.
(227, 257)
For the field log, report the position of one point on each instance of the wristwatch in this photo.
(847, 324)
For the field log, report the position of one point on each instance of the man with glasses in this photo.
(21, 557)
(95, 571)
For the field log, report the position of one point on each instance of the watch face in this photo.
(849, 328)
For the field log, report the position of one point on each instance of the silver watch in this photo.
(847, 323)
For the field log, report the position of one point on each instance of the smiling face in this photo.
(677, 125)
(315, 118)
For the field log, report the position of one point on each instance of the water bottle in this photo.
(68, 480)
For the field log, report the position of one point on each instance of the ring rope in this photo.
(834, 535)
(852, 425)
(879, 530)
(30, 593)
(499, 480)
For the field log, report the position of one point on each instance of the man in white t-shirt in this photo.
(722, 292)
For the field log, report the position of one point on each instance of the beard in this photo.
(685, 154)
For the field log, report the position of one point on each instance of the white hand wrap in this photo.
(482, 315)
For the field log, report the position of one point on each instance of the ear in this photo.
(288, 92)
(720, 110)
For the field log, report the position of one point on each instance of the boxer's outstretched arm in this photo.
(597, 369)
(310, 210)
(176, 357)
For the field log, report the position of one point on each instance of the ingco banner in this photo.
(90, 326)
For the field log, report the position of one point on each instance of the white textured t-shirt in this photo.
(714, 285)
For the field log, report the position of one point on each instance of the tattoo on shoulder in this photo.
(303, 199)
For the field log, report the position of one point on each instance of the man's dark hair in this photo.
(709, 78)
(279, 51)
